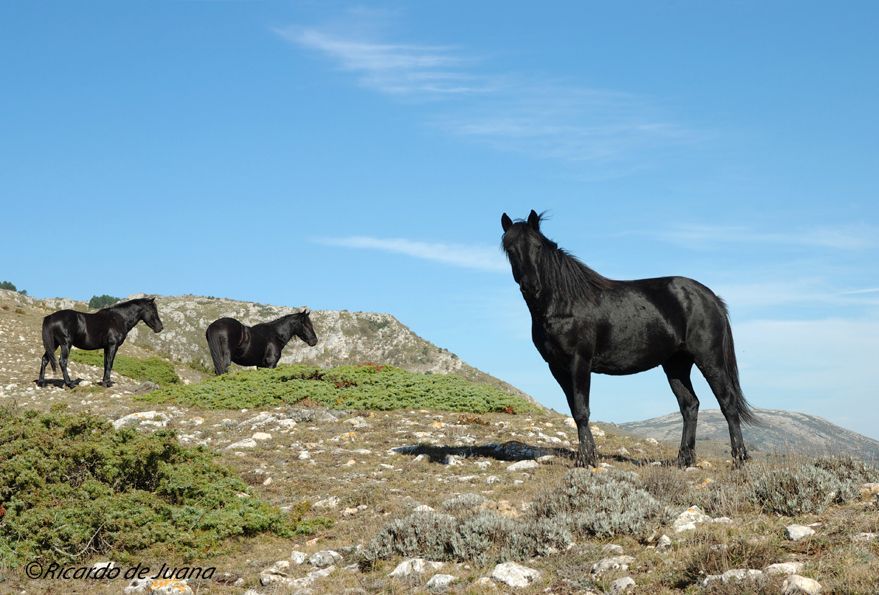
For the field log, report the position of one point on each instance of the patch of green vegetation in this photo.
(102, 301)
(366, 386)
(11, 287)
(71, 486)
(154, 369)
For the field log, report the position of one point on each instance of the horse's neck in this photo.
(286, 329)
(132, 315)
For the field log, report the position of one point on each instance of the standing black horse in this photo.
(105, 328)
(582, 322)
(259, 345)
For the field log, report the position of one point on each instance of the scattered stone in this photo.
(414, 566)
(453, 460)
(262, 436)
(327, 503)
(149, 418)
(864, 537)
(612, 548)
(621, 585)
(785, 568)
(688, 519)
(169, 586)
(800, 585)
(440, 582)
(423, 508)
(324, 558)
(613, 563)
(485, 583)
(869, 489)
(298, 557)
(246, 443)
(735, 575)
(798, 532)
(515, 575)
(523, 465)
(664, 542)
(304, 455)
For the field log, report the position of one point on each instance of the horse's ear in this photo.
(152, 298)
(534, 220)
(506, 222)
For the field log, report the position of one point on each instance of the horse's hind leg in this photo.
(677, 370)
(65, 352)
(41, 381)
(727, 397)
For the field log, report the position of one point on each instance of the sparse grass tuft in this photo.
(345, 387)
(799, 487)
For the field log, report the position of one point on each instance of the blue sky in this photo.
(359, 156)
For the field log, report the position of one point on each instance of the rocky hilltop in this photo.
(344, 337)
(780, 432)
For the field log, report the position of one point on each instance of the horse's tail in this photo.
(731, 366)
(49, 343)
(216, 350)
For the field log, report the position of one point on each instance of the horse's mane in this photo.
(560, 271)
(134, 302)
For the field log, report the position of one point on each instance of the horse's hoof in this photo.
(69, 385)
(40, 383)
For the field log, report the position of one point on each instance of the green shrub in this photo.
(601, 504)
(71, 486)
(587, 503)
(345, 387)
(102, 301)
(8, 285)
(485, 538)
(796, 489)
(154, 369)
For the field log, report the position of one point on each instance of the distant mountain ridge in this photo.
(780, 432)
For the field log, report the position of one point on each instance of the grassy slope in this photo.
(345, 387)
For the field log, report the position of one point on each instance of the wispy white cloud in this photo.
(483, 258)
(860, 291)
(510, 111)
(393, 68)
(853, 237)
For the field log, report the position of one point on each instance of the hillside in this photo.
(344, 337)
(780, 432)
(370, 479)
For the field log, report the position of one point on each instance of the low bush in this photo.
(800, 488)
(153, 369)
(71, 486)
(345, 387)
(599, 504)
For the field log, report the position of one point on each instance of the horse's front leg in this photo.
(575, 379)
(109, 356)
(271, 356)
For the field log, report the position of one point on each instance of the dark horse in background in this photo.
(259, 345)
(106, 328)
(582, 322)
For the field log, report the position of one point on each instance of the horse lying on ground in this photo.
(259, 345)
(582, 322)
(106, 328)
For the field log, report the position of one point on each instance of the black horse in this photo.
(106, 328)
(582, 322)
(259, 345)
